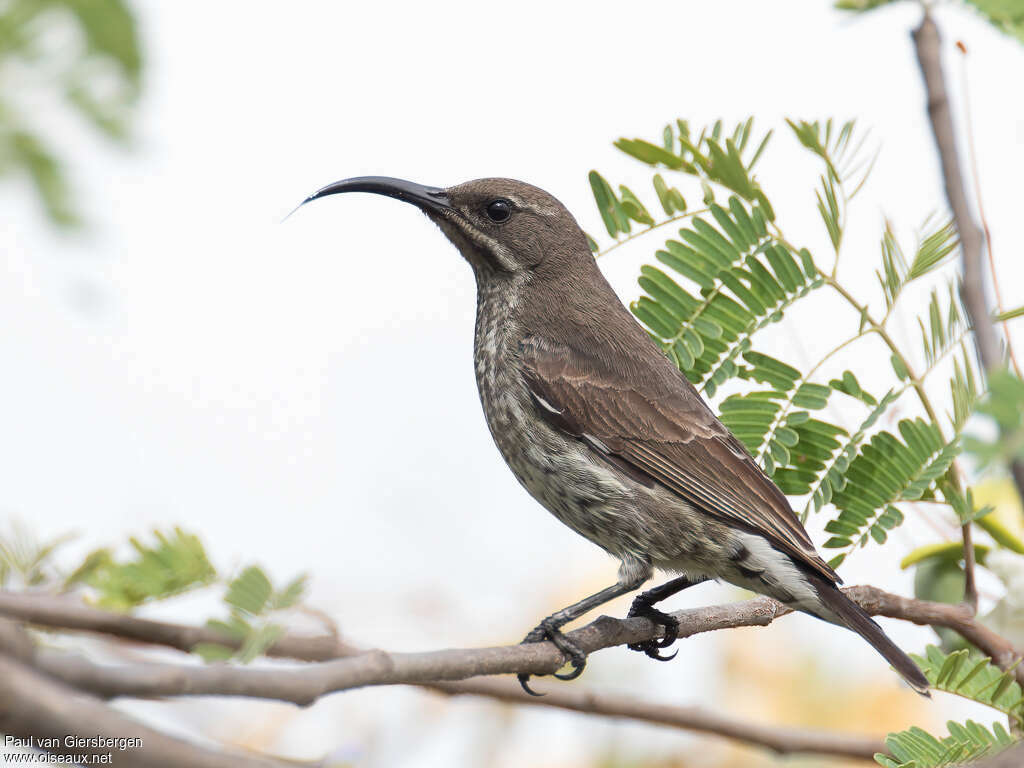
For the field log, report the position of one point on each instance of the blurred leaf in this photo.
(250, 591)
(941, 580)
(1004, 405)
(946, 550)
(24, 555)
(213, 652)
(291, 594)
(935, 245)
(1005, 15)
(177, 563)
(1010, 314)
(861, 5)
(98, 76)
(258, 641)
(27, 153)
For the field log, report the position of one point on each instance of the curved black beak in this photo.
(425, 198)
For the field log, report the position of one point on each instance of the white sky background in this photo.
(302, 393)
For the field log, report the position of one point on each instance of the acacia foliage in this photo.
(729, 270)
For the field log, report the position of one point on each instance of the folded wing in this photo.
(654, 423)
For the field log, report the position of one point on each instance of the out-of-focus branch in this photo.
(34, 704)
(1011, 758)
(778, 739)
(168, 679)
(973, 160)
(65, 613)
(927, 46)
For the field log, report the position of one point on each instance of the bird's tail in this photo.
(851, 615)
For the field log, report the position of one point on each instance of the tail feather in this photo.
(851, 615)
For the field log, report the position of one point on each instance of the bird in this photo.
(606, 433)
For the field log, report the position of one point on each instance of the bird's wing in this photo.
(658, 425)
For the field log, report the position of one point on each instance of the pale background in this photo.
(302, 393)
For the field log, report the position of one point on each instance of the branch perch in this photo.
(304, 684)
(439, 670)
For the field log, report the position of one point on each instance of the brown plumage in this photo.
(604, 431)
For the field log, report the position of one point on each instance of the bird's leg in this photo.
(643, 605)
(631, 575)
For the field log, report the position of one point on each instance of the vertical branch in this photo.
(926, 41)
(926, 44)
(973, 160)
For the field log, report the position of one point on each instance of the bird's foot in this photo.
(642, 607)
(547, 630)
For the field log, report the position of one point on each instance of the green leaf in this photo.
(33, 561)
(1004, 405)
(745, 281)
(899, 367)
(291, 594)
(612, 213)
(1005, 15)
(176, 564)
(945, 550)
(649, 153)
(933, 248)
(849, 385)
(916, 748)
(633, 207)
(213, 652)
(832, 476)
(1010, 314)
(828, 209)
(258, 641)
(888, 470)
(250, 591)
(974, 678)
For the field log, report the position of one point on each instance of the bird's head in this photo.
(501, 226)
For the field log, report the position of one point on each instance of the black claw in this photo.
(524, 682)
(654, 654)
(651, 648)
(578, 665)
(575, 656)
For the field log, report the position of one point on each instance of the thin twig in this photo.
(653, 227)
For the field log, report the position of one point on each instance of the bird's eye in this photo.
(499, 210)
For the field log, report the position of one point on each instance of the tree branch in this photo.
(151, 680)
(43, 610)
(304, 684)
(1010, 758)
(926, 44)
(778, 739)
(33, 704)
